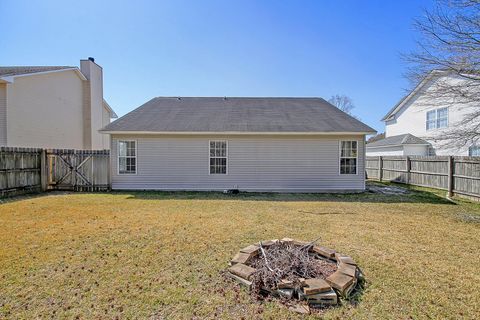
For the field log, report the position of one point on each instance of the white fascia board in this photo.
(10, 79)
(404, 100)
(113, 115)
(234, 133)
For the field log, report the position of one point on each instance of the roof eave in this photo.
(232, 133)
(391, 114)
(11, 78)
(113, 115)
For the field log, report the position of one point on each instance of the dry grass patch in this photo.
(162, 255)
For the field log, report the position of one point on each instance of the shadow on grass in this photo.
(356, 295)
(37, 195)
(412, 196)
(26, 196)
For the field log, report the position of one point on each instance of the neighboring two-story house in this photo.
(419, 123)
(54, 107)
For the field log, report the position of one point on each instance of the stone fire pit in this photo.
(296, 271)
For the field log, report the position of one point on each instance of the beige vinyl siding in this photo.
(255, 163)
(3, 114)
(87, 115)
(93, 108)
(45, 111)
(105, 120)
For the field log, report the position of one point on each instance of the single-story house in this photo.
(400, 145)
(249, 144)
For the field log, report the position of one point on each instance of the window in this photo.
(437, 119)
(348, 157)
(218, 157)
(127, 157)
(442, 118)
(431, 122)
(474, 151)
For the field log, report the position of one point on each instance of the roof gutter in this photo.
(235, 133)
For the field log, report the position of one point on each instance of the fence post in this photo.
(43, 170)
(408, 166)
(109, 171)
(380, 168)
(450, 176)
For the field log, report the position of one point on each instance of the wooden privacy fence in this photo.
(20, 170)
(24, 170)
(456, 175)
(78, 170)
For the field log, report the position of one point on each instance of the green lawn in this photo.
(163, 255)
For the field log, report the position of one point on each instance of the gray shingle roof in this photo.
(216, 114)
(397, 140)
(15, 71)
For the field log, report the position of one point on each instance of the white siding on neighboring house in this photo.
(385, 151)
(45, 110)
(400, 150)
(413, 150)
(411, 118)
(255, 163)
(3, 114)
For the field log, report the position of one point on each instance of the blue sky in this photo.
(222, 48)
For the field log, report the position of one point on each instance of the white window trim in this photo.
(118, 157)
(226, 157)
(340, 158)
(436, 119)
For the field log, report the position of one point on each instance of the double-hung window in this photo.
(437, 119)
(218, 157)
(127, 157)
(348, 157)
(431, 119)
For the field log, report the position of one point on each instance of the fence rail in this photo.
(456, 175)
(25, 170)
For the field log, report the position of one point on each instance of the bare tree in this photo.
(448, 48)
(343, 103)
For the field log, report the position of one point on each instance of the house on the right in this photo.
(420, 124)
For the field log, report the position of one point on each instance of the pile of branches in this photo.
(283, 261)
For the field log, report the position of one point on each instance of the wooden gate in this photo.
(78, 170)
